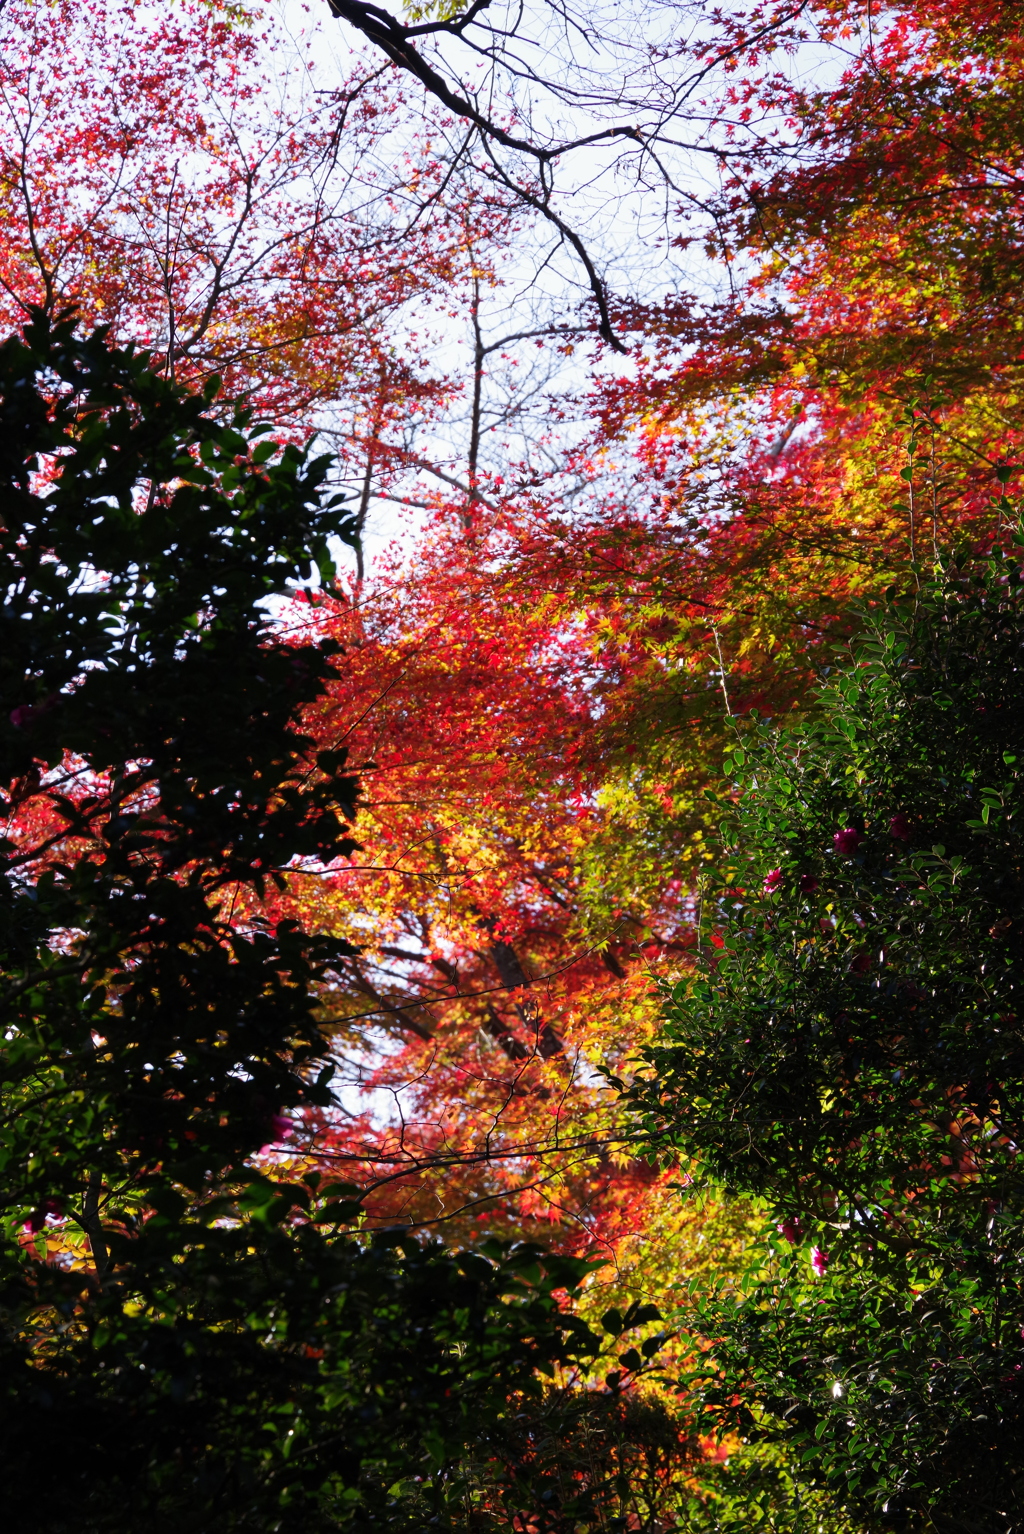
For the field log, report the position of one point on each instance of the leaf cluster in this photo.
(850, 1052)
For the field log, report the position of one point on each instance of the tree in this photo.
(848, 1051)
(869, 274)
(188, 1337)
(708, 113)
(182, 179)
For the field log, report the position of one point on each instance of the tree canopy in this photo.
(848, 1051)
(347, 886)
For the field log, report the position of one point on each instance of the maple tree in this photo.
(181, 178)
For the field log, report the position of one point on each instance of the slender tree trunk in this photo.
(512, 974)
(93, 1227)
(372, 440)
(473, 459)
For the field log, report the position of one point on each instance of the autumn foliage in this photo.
(547, 690)
(610, 562)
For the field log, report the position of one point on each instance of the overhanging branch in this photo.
(395, 41)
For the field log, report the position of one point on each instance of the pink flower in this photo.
(819, 1261)
(773, 883)
(280, 1127)
(808, 884)
(791, 1230)
(49, 1208)
(899, 828)
(25, 713)
(846, 842)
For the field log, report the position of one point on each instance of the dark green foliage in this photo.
(275, 1375)
(852, 1051)
(216, 1351)
(149, 752)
